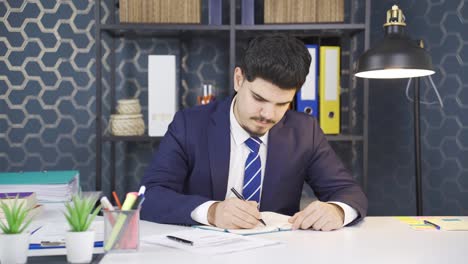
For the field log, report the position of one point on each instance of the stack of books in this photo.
(160, 11)
(49, 186)
(28, 199)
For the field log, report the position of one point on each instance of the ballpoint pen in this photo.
(35, 230)
(238, 195)
(432, 224)
(180, 240)
(140, 198)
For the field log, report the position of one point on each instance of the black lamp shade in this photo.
(395, 56)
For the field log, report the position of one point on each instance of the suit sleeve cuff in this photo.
(349, 213)
(200, 214)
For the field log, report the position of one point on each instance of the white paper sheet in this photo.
(210, 243)
(55, 232)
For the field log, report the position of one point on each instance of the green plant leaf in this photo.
(93, 215)
(79, 211)
(25, 225)
(4, 227)
(71, 217)
(16, 216)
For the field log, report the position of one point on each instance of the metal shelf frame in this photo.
(232, 31)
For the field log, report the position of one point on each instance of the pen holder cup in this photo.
(121, 230)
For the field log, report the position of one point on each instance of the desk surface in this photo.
(374, 240)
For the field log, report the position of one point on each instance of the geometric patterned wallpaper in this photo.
(444, 131)
(47, 100)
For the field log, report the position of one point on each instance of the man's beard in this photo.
(260, 119)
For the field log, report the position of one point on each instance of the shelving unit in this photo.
(233, 32)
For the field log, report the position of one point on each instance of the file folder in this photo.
(162, 102)
(306, 99)
(329, 94)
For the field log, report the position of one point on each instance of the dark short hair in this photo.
(277, 58)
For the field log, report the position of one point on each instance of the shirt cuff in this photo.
(200, 214)
(349, 213)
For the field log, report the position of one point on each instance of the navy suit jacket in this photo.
(191, 166)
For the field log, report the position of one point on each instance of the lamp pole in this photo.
(417, 147)
(397, 56)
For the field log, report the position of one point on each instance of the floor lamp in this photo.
(397, 56)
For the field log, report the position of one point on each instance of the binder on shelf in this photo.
(162, 103)
(306, 99)
(329, 94)
(247, 14)
(215, 12)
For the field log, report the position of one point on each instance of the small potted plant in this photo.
(79, 240)
(14, 242)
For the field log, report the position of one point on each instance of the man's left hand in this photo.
(319, 216)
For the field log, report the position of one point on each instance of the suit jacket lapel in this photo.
(219, 147)
(277, 146)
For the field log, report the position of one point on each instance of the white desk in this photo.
(375, 240)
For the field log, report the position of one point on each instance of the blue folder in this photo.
(307, 96)
(97, 244)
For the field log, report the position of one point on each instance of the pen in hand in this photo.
(238, 195)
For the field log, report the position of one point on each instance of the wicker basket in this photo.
(127, 125)
(128, 106)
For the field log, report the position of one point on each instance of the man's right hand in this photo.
(233, 213)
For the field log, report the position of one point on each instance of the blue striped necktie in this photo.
(253, 171)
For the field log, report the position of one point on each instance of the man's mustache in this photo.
(261, 119)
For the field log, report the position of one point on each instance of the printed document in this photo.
(209, 243)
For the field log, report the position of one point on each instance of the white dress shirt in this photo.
(239, 153)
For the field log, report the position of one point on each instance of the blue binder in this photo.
(215, 12)
(248, 12)
(306, 99)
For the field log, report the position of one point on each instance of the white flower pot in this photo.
(14, 248)
(79, 246)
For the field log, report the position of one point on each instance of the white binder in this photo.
(162, 103)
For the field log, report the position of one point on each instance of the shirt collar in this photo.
(237, 132)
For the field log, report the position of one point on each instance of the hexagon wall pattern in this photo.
(442, 25)
(47, 87)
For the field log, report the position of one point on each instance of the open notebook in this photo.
(274, 223)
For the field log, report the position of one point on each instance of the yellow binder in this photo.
(329, 85)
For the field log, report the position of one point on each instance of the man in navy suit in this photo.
(205, 153)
